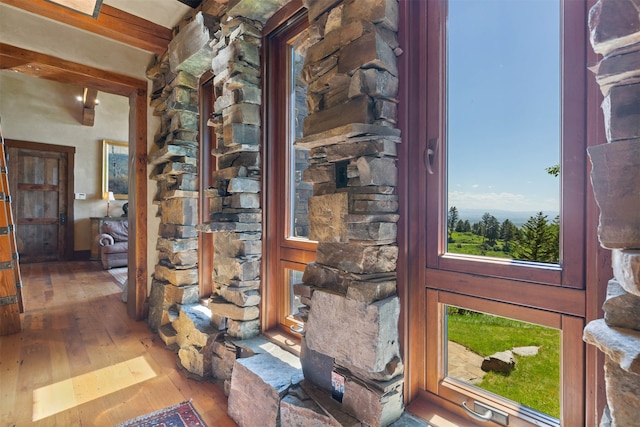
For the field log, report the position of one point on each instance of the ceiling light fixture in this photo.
(86, 7)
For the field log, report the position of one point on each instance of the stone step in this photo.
(168, 335)
(259, 382)
(195, 336)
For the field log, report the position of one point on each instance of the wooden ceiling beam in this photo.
(111, 22)
(48, 67)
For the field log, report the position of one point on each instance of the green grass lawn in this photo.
(469, 244)
(535, 381)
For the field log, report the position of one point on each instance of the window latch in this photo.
(297, 329)
(488, 413)
(430, 154)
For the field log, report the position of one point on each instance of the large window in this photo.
(502, 129)
(206, 168)
(498, 214)
(287, 228)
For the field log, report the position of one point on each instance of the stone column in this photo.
(174, 289)
(615, 176)
(236, 211)
(352, 318)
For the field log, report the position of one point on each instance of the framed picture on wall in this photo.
(115, 169)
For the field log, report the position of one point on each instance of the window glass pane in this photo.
(503, 128)
(295, 304)
(300, 191)
(516, 360)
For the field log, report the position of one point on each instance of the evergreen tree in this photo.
(554, 240)
(478, 228)
(460, 226)
(538, 240)
(452, 219)
(467, 226)
(507, 231)
(491, 229)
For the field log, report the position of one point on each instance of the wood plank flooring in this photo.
(81, 361)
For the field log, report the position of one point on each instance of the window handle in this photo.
(297, 329)
(430, 154)
(487, 416)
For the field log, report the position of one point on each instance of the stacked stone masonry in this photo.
(352, 308)
(347, 105)
(235, 205)
(615, 33)
(175, 311)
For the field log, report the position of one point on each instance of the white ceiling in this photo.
(166, 13)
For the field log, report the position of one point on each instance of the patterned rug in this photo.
(120, 274)
(181, 415)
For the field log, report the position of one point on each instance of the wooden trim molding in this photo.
(111, 22)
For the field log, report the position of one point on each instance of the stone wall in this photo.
(175, 311)
(615, 176)
(350, 132)
(348, 172)
(235, 205)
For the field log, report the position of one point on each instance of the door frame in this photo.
(68, 72)
(69, 153)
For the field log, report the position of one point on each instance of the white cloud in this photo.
(503, 201)
(475, 186)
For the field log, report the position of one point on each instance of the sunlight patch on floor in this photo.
(66, 394)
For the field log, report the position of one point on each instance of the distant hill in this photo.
(516, 217)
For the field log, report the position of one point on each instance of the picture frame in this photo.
(115, 169)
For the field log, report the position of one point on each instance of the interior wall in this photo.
(28, 31)
(48, 112)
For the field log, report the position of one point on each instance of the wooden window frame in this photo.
(207, 164)
(567, 287)
(570, 272)
(281, 251)
(572, 359)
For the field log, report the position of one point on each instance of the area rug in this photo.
(120, 274)
(181, 415)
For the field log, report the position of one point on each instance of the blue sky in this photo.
(504, 104)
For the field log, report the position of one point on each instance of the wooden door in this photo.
(39, 182)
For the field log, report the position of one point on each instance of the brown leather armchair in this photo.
(114, 244)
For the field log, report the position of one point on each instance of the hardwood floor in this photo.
(81, 361)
